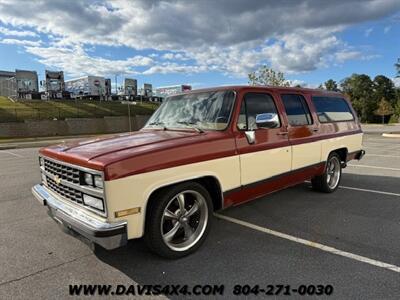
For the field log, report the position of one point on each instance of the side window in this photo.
(297, 110)
(252, 105)
(332, 109)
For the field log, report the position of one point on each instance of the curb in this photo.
(47, 141)
(391, 135)
(38, 143)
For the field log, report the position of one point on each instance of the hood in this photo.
(87, 152)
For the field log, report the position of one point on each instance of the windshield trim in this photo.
(147, 126)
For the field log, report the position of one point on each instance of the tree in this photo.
(267, 76)
(384, 88)
(384, 109)
(331, 85)
(359, 88)
(397, 111)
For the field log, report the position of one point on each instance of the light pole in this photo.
(116, 85)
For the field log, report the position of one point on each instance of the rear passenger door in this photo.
(302, 131)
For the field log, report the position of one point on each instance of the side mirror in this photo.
(267, 120)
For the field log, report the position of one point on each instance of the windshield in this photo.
(202, 111)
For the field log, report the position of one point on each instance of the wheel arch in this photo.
(210, 182)
(342, 152)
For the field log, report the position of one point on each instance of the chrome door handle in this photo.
(315, 129)
(283, 133)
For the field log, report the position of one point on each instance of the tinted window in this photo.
(332, 109)
(253, 105)
(296, 110)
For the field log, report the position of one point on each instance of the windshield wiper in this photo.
(158, 124)
(191, 125)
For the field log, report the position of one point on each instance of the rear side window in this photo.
(253, 105)
(332, 109)
(297, 110)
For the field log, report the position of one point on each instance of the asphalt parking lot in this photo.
(348, 239)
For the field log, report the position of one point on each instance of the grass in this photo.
(61, 109)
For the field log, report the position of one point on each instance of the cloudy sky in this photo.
(201, 42)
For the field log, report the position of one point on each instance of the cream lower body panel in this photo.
(260, 165)
(351, 142)
(134, 191)
(231, 172)
(306, 154)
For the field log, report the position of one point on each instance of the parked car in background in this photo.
(201, 151)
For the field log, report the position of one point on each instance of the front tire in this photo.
(178, 220)
(329, 181)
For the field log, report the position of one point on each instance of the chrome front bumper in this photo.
(76, 220)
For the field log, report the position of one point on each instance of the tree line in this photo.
(374, 100)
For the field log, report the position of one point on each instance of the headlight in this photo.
(93, 202)
(88, 178)
(41, 161)
(98, 181)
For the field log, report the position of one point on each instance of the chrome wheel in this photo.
(333, 172)
(184, 220)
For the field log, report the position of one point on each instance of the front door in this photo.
(264, 152)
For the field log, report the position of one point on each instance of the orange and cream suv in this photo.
(201, 151)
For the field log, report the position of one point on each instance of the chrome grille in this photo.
(65, 191)
(64, 180)
(64, 172)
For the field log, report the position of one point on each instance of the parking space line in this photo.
(312, 244)
(364, 190)
(369, 191)
(368, 143)
(382, 155)
(377, 148)
(385, 142)
(394, 148)
(373, 167)
(12, 153)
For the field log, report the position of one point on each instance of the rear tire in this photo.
(178, 220)
(329, 181)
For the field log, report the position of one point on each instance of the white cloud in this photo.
(76, 62)
(396, 81)
(20, 42)
(20, 33)
(303, 50)
(346, 54)
(368, 31)
(175, 56)
(387, 29)
(229, 36)
(165, 68)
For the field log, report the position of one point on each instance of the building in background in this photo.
(54, 84)
(27, 83)
(21, 84)
(87, 87)
(5, 75)
(172, 90)
(130, 88)
(8, 84)
(147, 90)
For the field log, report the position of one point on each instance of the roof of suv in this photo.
(271, 88)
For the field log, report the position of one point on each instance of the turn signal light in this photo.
(127, 212)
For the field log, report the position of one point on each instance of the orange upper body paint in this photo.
(149, 150)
